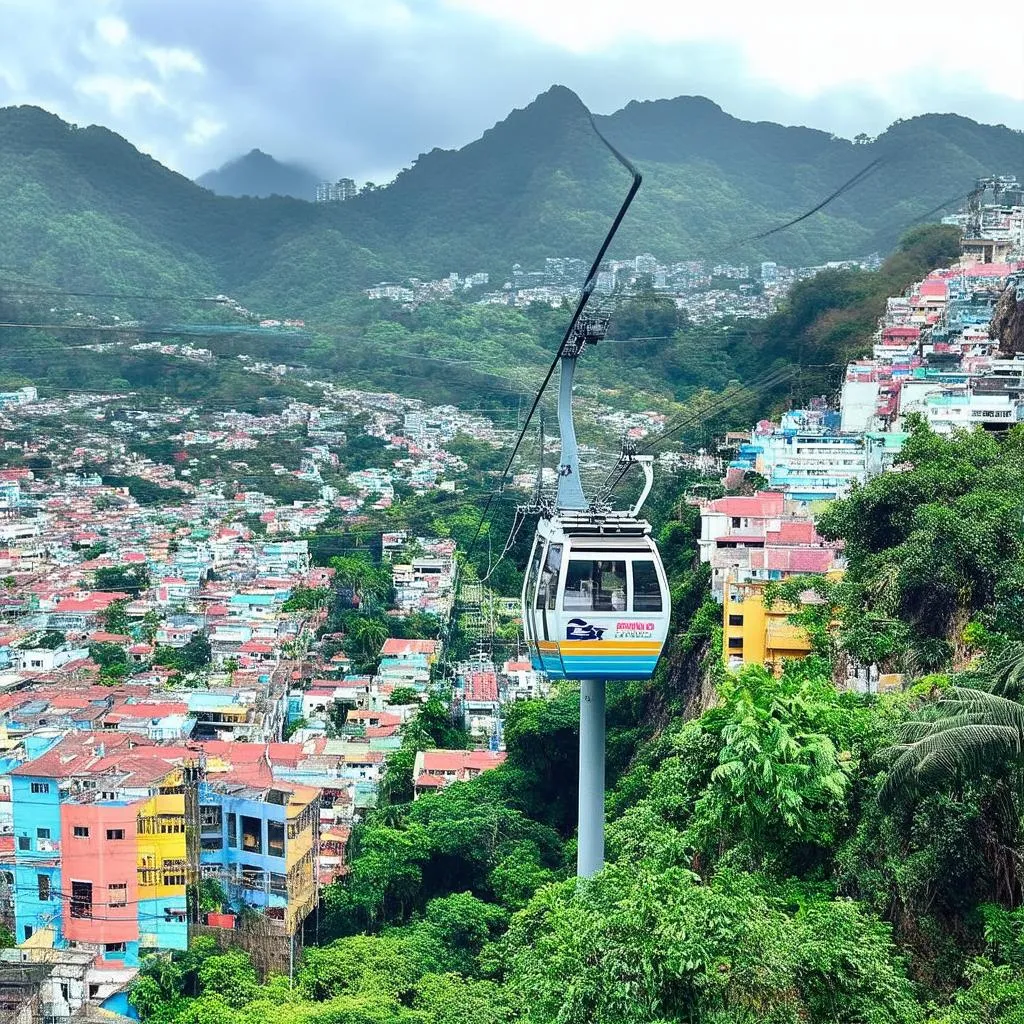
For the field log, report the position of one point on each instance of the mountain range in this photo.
(85, 211)
(259, 174)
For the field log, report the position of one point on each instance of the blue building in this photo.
(36, 869)
(259, 843)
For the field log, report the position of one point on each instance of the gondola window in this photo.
(646, 588)
(595, 586)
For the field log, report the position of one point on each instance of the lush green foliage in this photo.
(306, 599)
(131, 579)
(932, 548)
(192, 657)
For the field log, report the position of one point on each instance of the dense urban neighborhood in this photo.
(245, 655)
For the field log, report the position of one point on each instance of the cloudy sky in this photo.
(360, 87)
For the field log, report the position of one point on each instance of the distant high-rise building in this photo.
(769, 273)
(336, 191)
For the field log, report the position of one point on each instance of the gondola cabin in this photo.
(595, 598)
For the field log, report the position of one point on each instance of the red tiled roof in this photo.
(285, 753)
(383, 717)
(482, 686)
(109, 638)
(379, 732)
(764, 504)
(93, 603)
(395, 648)
(458, 760)
(86, 753)
(794, 531)
(992, 269)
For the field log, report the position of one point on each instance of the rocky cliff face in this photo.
(1008, 320)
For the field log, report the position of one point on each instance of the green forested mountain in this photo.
(259, 174)
(83, 209)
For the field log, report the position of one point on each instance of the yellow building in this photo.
(303, 828)
(161, 861)
(755, 635)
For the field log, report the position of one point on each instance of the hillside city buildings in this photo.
(936, 354)
(336, 191)
(708, 291)
(181, 742)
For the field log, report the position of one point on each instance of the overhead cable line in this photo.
(588, 288)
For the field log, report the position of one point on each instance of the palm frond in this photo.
(973, 732)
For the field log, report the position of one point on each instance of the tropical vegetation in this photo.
(779, 848)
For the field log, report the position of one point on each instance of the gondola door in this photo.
(530, 584)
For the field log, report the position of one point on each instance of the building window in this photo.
(735, 522)
(40, 787)
(115, 833)
(171, 824)
(81, 832)
(253, 878)
(28, 932)
(252, 834)
(114, 947)
(174, 914)
(24, 843)
(43, 882)
(174, 872)
(232, 830)
(736, 643)
(209, 817)
(81, 899)
(42, 833)
(118, 894)
(275, 838)
(735, 620)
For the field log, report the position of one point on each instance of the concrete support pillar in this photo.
(590, 850)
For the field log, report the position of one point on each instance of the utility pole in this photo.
(191, 773)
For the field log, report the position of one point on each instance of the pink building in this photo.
(435, 769)
(761, 537)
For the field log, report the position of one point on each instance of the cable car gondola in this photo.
(595, 598)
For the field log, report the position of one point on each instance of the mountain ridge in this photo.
(87, 208)
(260, 175)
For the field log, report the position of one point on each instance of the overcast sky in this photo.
(359, 88)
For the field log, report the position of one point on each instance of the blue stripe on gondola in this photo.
(580, 667)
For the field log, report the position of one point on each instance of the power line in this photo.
(863, 173)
